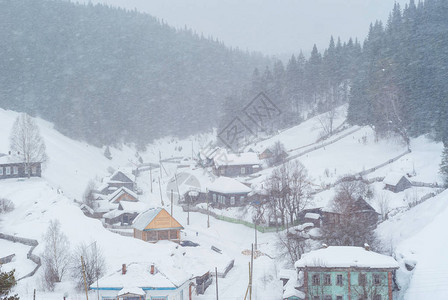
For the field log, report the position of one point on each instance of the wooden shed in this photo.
(156, 224)
(122, 194)
(396, 182)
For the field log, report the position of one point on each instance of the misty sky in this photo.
(277, 27)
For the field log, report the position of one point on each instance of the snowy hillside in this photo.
(72, 164)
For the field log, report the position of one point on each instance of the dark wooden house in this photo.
(120, 179)
(125, 213)
(233, 165)
(156, 224)
(361, 210)
(225, 191)
(396, 182)
(12, 166)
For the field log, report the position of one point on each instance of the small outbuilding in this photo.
(120, 179)
(125, 213)
(396, 182)
(122, 194)
(233, 165)
(156, 224)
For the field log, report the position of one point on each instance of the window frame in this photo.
(232, 200)
(15, 170)
(362, 279)
(327, 279)
(7, 170)
(339, 280)
(315, 279)
(1, 171)
(376, 279)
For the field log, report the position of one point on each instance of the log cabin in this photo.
(156, 224)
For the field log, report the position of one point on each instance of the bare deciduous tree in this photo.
(292, 246)
(94, 264)
(56, 256)
(279, 154)
(289, 191)
(88, 197)
(382, 200)
(353, 227)
(25, 139)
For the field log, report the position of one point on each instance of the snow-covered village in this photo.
(145, 156)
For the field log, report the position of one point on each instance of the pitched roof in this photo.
(120, 191)
(227, 185)
(145, 218)
(138, 275)
(133, 290)
(119, 176)
(231, 159)
(11, 159)
(393, 178)
(345, 257)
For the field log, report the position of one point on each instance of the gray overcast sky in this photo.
(269, 26)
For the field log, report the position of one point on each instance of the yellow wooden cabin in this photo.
(156, 224)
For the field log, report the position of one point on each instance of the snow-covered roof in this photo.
(227, 185)
(104, 206)
(289, 290)
(113, 177)
(132, 207)
(312, 216)
(139, 275)
(131, 290)
(231, 159)
(145, 218)
(392, 178)
(345, 257)
(10, 159)
(120, 191)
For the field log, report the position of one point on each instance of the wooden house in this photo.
(233, 165)
(396, 182)
(125, 213)
(361, 210)
(156, 224)
(225, 191)
(12, 166)
(120, 179)
(122, 194)
(344, 273)
(267, 153)
(144, 281)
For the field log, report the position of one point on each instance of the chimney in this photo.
(123, 269)
(367, 246)
(152, 269)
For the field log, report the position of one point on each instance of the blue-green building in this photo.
(346, 273)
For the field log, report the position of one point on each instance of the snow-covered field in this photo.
(416, 233)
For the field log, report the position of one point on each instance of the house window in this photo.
(222, 171)
(339, 279)
(214, 197)
(232, 200)
(377, 297)
(327, 297)
(15, 170)
(316, 298)
(327, 279)
(33, 170)
(8, 170)
(316, 279)
(338, 297)
(361, 279)
(1, 171)
(243, 170)
(159, 297)
(376, 279)
(241, 199)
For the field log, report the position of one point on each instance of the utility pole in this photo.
(216, 275)
(171, 202)
(150, 175)
(160, 188)
(255, 227)
(251, 272)
(208, 214)
(160, 163)
(84, 276)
